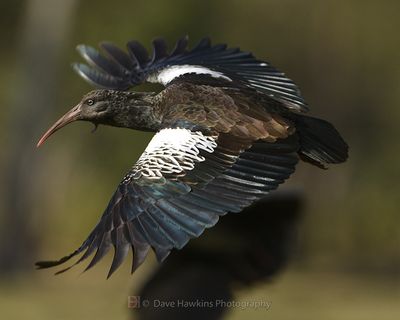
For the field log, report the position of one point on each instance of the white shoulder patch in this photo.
(168, 74)
(172, 151)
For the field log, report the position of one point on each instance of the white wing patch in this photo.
(172, 151)
(168, 74)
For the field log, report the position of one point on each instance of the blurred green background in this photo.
(344, 55)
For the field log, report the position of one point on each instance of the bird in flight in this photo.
(229, 129)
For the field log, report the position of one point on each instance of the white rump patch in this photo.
(172, 151)
(168, 74)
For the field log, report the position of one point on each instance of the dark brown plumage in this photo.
(229, 127)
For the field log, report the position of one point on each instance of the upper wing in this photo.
(180, 186)
(120, 70)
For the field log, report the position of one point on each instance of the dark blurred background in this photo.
(344, 55)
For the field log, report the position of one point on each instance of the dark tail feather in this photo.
(320, 142)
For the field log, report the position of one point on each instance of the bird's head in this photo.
(110, 107)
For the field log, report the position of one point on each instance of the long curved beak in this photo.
(70, 116)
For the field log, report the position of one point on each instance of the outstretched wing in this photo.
(205, 62)
(180, 186)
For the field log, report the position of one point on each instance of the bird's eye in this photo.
(89, 102)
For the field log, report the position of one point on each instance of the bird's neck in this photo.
(139, 114)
